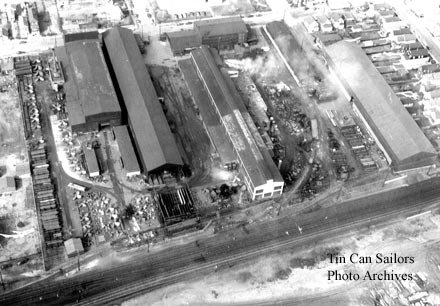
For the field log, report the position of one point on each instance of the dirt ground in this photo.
(11, 126)
(299, 277)
(192, 138)
(19, 230)
(17, 210)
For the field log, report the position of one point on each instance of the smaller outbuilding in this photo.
(74, 247)
(7, 184)
(310, 24)
(91, 162)
(128, 156)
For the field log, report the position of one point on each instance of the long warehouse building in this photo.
(261, 176)
(395, 131)
(153, 139)
(91, 101)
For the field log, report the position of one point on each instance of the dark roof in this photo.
(91, 161)
(155, 142)
(89, 89)
(81, 36)
(430, 68)
(328, 38)
(220, 26)
(418, 52)
(402, 139)
(181, 40)
(126, 148)
(402, 31)
(241, 137)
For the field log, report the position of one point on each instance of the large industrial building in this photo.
(403, 143)
(91, 101)
(155, 144)
(260, 174)
(222, 33)
(219, 33)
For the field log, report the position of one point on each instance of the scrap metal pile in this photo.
(317, 182)
(99, 216)
(342, 168)
(144, 208)
(288, 111)
(48, 208)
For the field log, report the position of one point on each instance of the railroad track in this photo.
(146, 272)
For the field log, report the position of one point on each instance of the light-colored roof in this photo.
(397, 131)
(73, 246)
(322, 19)
(7, 184)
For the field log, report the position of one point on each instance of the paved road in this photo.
(419, 28)
(145, 272)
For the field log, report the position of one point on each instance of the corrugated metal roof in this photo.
(235, 124)
(154, 141)
(220, 26)
(89, 89)
(126, 149)
(399, 134)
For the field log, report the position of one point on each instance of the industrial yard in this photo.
(142, 125)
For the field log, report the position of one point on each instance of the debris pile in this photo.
(99, 216)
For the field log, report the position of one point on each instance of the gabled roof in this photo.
(73, 246)
(181, 40)
(309, 21)
(259, 169)
(402, 31)
(126, 149)
(89, 89)
(154, 141)
(403, 140)
(322, 19)
(91, 161)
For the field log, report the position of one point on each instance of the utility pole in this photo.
(429, 170)
(385, 179)
(339, 193)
